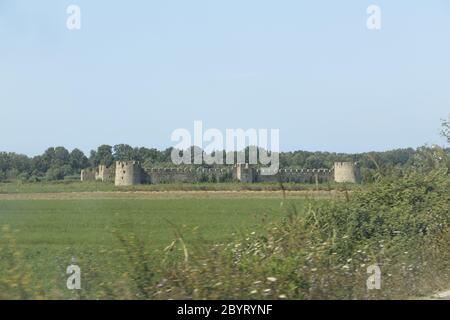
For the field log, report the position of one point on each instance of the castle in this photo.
(129, 173)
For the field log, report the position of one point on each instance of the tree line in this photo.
(58, 163)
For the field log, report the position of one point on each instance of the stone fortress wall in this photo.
(129, 173)
(187, 175)
(87, 175)
(101, 173)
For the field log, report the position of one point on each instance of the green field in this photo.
(77, 186)
(49, 233)
(182, 242)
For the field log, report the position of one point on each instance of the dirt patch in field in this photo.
(170, 195)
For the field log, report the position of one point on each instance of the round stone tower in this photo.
(128, 173)
(345, 172)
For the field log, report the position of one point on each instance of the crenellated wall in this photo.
(187, 175)
(241, 172)
(298, 176)
(128, 173)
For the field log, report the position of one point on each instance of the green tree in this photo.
(123, 152)
(55, 173)
(446, 129)
(48, 157)
(103, 156)
(78, 160)
(146, 155)
(314, 162)
(61, 156)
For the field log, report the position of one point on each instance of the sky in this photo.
(138, 70)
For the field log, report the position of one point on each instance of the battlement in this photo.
(128, 173)
(300, 171)
(182, 170)
(185, 174)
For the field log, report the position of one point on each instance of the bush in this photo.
(23, 177)
(2, 176)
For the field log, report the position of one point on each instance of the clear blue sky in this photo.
(137, 70)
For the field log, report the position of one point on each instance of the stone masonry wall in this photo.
(128, 173)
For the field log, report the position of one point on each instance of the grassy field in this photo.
(217, 241)
(77, 186)
(49, 233)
